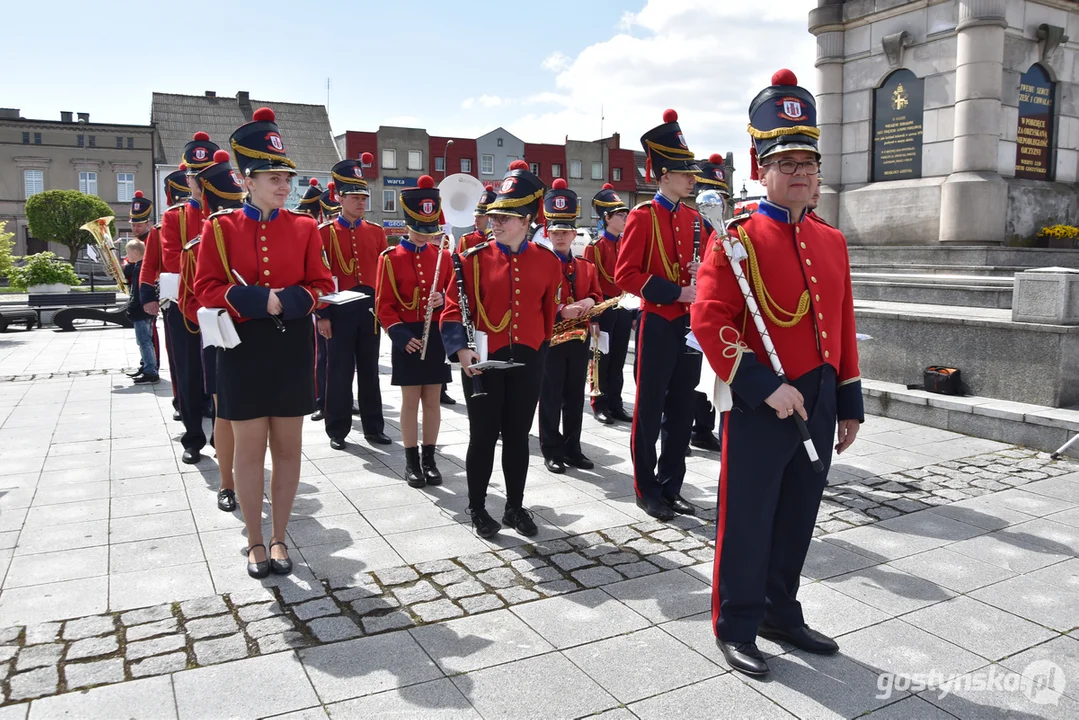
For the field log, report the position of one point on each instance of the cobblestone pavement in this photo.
(124, 592)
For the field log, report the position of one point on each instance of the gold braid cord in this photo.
(766, 302)
(410, 306)
(258, 155)
(511, 203)
(599, 265)
(479, 302)
(672, 269)
(186, 283)
(418, 217)
(220, 238)
(807, 130)
(349, 267)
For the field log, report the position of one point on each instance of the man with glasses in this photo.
(769, 493)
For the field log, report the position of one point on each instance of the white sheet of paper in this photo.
(630, 302)
(691, 341)
(169, 286)
(481, 345)
(217, 328)
(343, 296)
(604, 343)
(496, 365)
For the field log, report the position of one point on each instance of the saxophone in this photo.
(575, 328)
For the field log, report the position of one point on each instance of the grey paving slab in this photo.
(435, 699)
(1032, 503)
(664, 596)
(57, 567)
(1045, 532)
(911, 706)
(64, 537)
(1064, 574)
(985, 512)
(974, 704)
(980, 628)
(436, 543)
(579, 617)
(539, 687)
(1061, 651)
(55, 601)
(150, 698)
(351, 559)
(306, 532)
(50, 515)
(313, 713)
(153, 554)
(212, 692)
(585, 517)
(1064, 487)
(1011, 552)
(147, 527)
(703, 700)
(955, 571)
(476, 642)
(834, 613)
(826, 559)
(898, 647)
(888, 589)
(1066, 517)
(1050, 605)
(150, 504)
(355, 668)
(159, 585)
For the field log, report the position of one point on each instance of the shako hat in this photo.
(348, 175)
(713, 174)
(666, 148)
(560, 207)
(309, 201)
(222, 186)
(176, 189)
(423, 207)
(782, 117)
(258, 146)
(141, 207)
(199, 152)
(606, 202)
(519, 194)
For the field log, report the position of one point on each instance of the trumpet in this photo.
(593, 363)
(100, 230)
(575, 328)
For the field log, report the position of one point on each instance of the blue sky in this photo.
(542, 70)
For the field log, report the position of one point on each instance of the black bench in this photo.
(73, 306)
(17, 316)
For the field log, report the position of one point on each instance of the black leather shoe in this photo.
(258, 570)
(280, 567)
(146, 379)
(680, 506)
(226, 500)
(427, 462)
(803, 638)
(191, 456)
(580, 462)
(379, 439)
(706, 441)
(136, 373)
(603, 417)
(413, 471)
(445, 399)
(337, 443)
(689, 451)
(355, 408)
(520, 520)
(486, 526)
(554, 465)
(317, 416)
(620, 415)
(176, 415)
(744, 657)
(656, 508)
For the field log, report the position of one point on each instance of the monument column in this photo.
(974, 198)
(826, 22)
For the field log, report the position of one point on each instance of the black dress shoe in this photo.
(620, 415)
(337, 443)
(520, 520)
(803, 638)
(486, 526)
(136, 373)
(146, 379)
(280, 567)
(317, 416)
(554, 465)
(656, 508)
(191, 456)
(604, 418)
(580, 462)
(258, 570)
(226, 500)
(355, 408)
(176, 415)
(744, 657)
(680, 506)
(706, 441)
(445, 399)
(379, 439)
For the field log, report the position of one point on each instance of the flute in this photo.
(430, 310)
(466, 319)
(276, 319)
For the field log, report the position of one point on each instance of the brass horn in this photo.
(460, 194)
(100, 230)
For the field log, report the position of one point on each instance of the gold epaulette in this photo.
(324, 224)
(223, 211)
(177, 206)
(298, 213)
(388, 249)
(475, 248)
(738, 219)
(193, 243)
(640, 205)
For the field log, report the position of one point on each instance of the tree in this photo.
(6, 259)
(57, 216)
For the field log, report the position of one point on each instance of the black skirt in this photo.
(409, 369)
(270, 373)
(209, 370)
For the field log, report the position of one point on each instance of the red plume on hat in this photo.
(426, 182)
(518, 165)
(201, 136)
(264, 114)
(222, 156)
(715, 159)
(138, 193)
(313, 182)
(607, 186)
(559, 184)
(367, 158)
(332, 187)
(784, 77)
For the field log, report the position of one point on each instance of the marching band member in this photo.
(617, 322)
(145, 324)
(511, 287)
(412, 281)
(352, 336)
(769, 493)
(311, 204)
(656, 262)
(566, 370)
(328, 203)
(482, 232)
(266, 384)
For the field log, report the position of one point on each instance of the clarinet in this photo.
(696, 259)
(466, 319)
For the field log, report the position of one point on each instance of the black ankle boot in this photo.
(430, 472)
(413, 471)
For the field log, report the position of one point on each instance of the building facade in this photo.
(108, 160)
(497, 149)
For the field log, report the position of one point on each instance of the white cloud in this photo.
(467, 103)
(490, 101)
(556, 61)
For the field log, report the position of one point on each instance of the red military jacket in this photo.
(187, 298)
(603, 253)
(151, 267)
(406, 279)
(353, 251)
(799, 271)
(279, 250)
(180, 224)
(578, 282)
(655, 253)
(471, 240)
(511, 297)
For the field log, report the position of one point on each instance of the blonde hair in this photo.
(136, 245)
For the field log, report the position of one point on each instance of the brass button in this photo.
(797, 229)
(265, 272)
(263, 237)
(824, 334)
(825, 353)
(514, 326)
(803, 246)
(813, 278)
(820, 316)
(516, 315)
(264, 227)
(817, 298)
(265, 259)
(517, 302)
(264, 248)
(516, 279)
(808, 261)
(517, 291)
(677, 229)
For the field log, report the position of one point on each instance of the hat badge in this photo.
(358, 172)
(682, 140)
(718, 174)
(275, 140)
(792, 109)
(200, 153)
(560, 203)
(237, 178)
(507, 185)
(427, 206)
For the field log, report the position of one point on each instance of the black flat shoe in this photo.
(280, 567)
(580, 462)
(226, 500)
(378, 439)
(257, 570)
(520, 520)
(603, 417)
(554, 465)
(706, 441)
(176, 415)
(317, 416)
(191, 456)
(445, 399)
(146, 379)
(355, 409)
(620, 415)
(744, 657)
(337, 443)
(680, 506)
(803, 638)
(134, 374)
(486, 526)
(656, 508)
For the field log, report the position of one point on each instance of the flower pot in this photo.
(48, 288)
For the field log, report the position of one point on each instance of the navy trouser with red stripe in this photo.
(768, 502)
(186, 367)
(666, 378)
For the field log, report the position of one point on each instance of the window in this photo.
(37, 138)
(125, 186)
(415, 160)
(466, 165)
(389, 201)
(88, 183)
(80, 140)
(575, 169)
(440, 164)
(597, 171)
(33, 181)
(616, 174)
(26, 138)
(93, 141)
(499, 142)
(389, 159)
(556, 169)
(534, 168)
(510, 159)
(131, 143)
(119, 142)
(487, 164)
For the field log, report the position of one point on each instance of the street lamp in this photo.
(744, 193)
(445, 153)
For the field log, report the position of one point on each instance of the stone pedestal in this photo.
(1049, 296)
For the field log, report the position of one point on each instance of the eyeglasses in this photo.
(499, 219)
(790, 167)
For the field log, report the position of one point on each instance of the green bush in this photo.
(43, 269)
(58, 216)
(6, 258)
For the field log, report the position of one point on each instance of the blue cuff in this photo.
(295, 302)
(660, 292)
(400, 335)
(249, 300)
(454, 339)
(754, 382)
(849, 404)
(147, 293)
